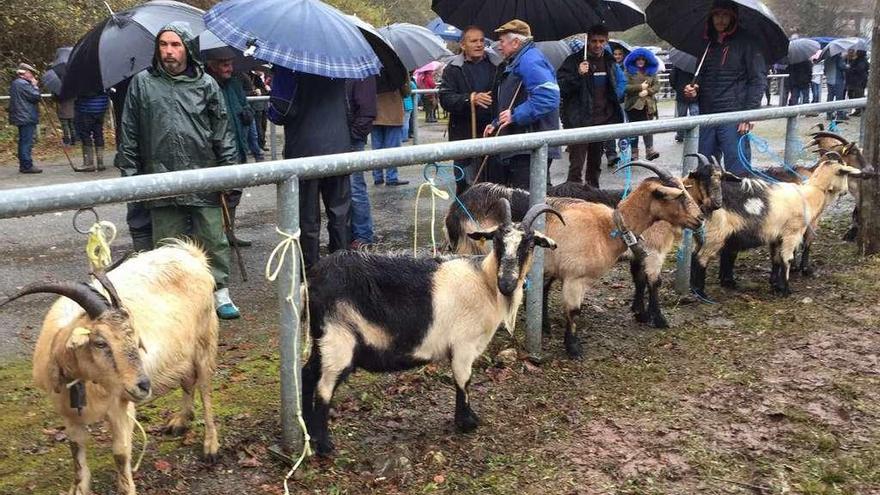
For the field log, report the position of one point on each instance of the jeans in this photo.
(816, 90)
(722, 141)
(386, 136)
(683, 109)
(361, 219)
(407, 118)
(835, 92)
(253, 142)
(26, 145)
(640, 116)
(799, 95)
(90, 127)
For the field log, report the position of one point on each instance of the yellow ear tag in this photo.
(81, 331)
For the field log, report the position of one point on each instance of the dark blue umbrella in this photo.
(549, 20)
(824, 40)
(302, 35)
(122, 45)
(446, 31)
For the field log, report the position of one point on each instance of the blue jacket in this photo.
(23, 101)
(536, 104)
(93, 104)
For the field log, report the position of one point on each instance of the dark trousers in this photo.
(640, 116)
(261, 120)
(335, 192)
(90, 127)
(723, 141)
(510, 172)
(26, 134)
(68, 131)
(140, 226)
(589, 154)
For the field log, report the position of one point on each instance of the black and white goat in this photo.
(387, 313)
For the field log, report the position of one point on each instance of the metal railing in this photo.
(285, 174)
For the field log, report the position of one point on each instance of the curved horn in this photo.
(818, 125)
(101, 277)
(505, 208)
(82, 294)
(701, 157)
(536, 211)
(664, 175)
(830, 135)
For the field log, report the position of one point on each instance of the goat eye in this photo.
(100, 344)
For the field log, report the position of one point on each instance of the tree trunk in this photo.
(869, 197)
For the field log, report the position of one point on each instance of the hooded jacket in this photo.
(857, 72)
(577, 90)
(635, 78)
(734, 73)
(175, 123)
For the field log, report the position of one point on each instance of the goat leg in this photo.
(121, 424)
(698, 276)
(82, 481)
(657, 318)
(640, 281)
(465, 419)
(572, 342)
(853, 231)
(211, 444)
(727, 261)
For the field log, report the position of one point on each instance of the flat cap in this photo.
(23, 66)
(515, 26)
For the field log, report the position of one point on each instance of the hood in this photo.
(189, 41)
(629, 63)
(710, 33)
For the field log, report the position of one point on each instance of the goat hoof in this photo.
(176, 430)
(467, 423)
(659, 321)
(325, 448)
(850, 235)
(574, 349)
(211, 459)
(728, 283)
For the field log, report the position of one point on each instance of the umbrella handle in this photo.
(700, 66)
(585, 46)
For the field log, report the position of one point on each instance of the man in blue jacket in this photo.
(24, 96)
(527, 100)
(732, 79)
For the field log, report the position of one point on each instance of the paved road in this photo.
(46, 247)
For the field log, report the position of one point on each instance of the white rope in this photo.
(291, 244)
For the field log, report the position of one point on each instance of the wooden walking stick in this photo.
(497, 133)
(54, 131)
(230, 234)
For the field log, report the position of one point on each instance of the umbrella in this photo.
(393, 75)
(550, 20)
(623, 45)
(801, 49)
(51, 81)
(122, 45)
(415, 45)
(683, 24)
(683, 60)
(59, 64)
(842, 45)
(824, 40)
(555, 51)
(446, 31)
(429, 67)
(212, 47)
(302, 35)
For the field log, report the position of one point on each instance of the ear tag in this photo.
(77, 396)
(81, 331)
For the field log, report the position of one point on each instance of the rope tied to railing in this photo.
(435, 192)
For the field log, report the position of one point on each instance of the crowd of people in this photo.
(183, 113)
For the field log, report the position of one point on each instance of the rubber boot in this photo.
(88, 160)
(234, 239)
(99, 158)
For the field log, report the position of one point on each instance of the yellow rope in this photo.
(137, 465)
(98, 246)
(435, 193)
(291, 243)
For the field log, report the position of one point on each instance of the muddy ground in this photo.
(754, 394)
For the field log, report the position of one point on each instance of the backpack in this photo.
(282, 97)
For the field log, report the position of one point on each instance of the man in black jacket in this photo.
(732, 79)
(466, 94)
(799, 77)
(591, 90)
(857, 68)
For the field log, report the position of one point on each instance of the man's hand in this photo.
(505, 118)
(745, 127)
(483, 100)
(584, 68)
(690, 91)
(489, 130)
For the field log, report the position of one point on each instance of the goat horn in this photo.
(80, 293)
(508, 216)
(536, 211)
(818, 125)
(814, 142)
(830, 135)
(664, 175)
(832, 155)
(701, 157)
(101, 277)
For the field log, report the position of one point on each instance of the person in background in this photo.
(466, 93)
(258, 80)
(66, 113)
(640, 101)
(835, 68)
(857, 69)
(429, 101)
(678, 79)
(799, 77)
(408, 107)
(24, 98)
(388, 131)
(253, 142)
(816, 82)
(89, 120)
(361, 97)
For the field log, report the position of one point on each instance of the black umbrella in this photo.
(549, 19)
(123, 45)
(683, 24)
(683, 60)
(51, 82)
(620, 44)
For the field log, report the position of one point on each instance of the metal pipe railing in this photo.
(286, 173)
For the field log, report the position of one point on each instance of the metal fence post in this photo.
(683, 262)
(273, 141)
(535, 291)
(288, 222)
(415, 124)
(792, 143)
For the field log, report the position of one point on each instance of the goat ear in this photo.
(731, 177)
(482, 235)
(850, 171)
(668, 193)
(544, 241)
(78, 337)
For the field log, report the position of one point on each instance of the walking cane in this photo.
(230, 234)
(496, 134)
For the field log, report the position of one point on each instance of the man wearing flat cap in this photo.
(24, 97)
(527, 100)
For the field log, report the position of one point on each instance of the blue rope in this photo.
(832, 127)
(701, 298)
(457, 175)
(625, 158)
(762, 146)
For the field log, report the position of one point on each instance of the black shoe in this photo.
(32, 170)
(679, 139)
(397, 183)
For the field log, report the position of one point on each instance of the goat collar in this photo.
(632, 241)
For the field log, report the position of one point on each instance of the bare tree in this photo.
(869, 197)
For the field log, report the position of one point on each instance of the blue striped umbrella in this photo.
(302, 35)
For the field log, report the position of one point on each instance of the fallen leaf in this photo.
(162, 466)
(439, 479)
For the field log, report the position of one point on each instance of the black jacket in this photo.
(320, 124)
(800, 75)
(733, 76)
(857, 73)
(577, 91)
(361, 99)
(678, 79)
(455, 93)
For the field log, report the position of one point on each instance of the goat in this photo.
(758, 213)
(107, 346)
(704, 185)
(387, 313)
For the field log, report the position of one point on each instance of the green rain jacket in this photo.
(175, 123)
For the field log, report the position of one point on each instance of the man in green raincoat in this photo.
(175, 119)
